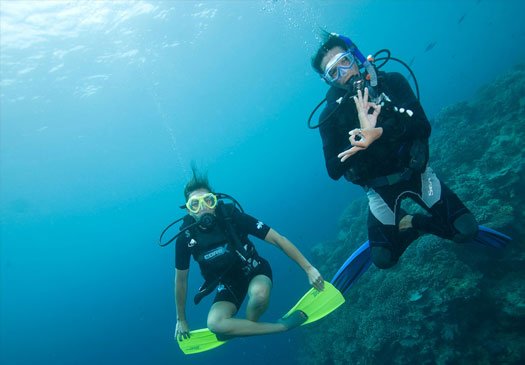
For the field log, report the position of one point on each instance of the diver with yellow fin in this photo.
(216, 233)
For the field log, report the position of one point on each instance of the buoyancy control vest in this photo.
(412, 155)
(219, 249)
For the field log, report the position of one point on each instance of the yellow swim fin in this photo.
(318, 304)
(200, 340)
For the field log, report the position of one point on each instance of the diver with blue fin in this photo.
(375, 133)
(216, 233)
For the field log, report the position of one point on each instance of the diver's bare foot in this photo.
(405, 223)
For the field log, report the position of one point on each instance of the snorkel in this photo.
(372, 75)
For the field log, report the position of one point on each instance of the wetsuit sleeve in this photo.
(331, 149)
(249, 225)
(404, 126)
(335, 122)
(182, 253)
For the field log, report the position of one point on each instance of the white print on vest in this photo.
(217, 252)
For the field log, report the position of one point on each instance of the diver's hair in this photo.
(199, 180)
(329, 41)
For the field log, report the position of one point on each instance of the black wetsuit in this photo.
(217, 257)
(392, 168)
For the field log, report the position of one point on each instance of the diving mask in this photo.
(338, 66)
(197, 203)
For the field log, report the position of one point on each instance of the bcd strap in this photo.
(231, 233)
(389, 179)
(206, 288)
(418, 163)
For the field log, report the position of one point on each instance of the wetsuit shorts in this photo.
(426, 190)
(234, 288)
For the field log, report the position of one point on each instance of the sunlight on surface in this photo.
(26, 23)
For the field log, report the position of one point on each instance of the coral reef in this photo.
(443, 303)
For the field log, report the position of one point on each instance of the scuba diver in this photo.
(375, 133)
(216, 235)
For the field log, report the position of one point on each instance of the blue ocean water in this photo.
(103, 106)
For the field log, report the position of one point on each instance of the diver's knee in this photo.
(259, 298)
(466, 227)
(215, 324)
(216, 320)
(259, 293)
(382, 257)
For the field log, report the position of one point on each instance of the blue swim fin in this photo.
(353, 268)
(489, 237)
(361, 259)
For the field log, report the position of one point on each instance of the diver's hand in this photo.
(363, 138)
(345, 155)
(366, 138)
(315, 278)
(366, 120)
(182, 330)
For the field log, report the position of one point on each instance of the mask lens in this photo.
(210, 200)
(338, 66)
(195, 203)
